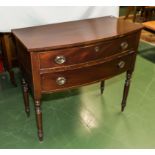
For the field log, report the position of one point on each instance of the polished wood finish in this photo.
(39, 119)
(71, 34)
(150, 25)
(73, 77)
(87, 53)
(68, 55)
(26, 97)
(126, 88)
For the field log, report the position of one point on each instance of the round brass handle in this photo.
(124, 45)
(96, 49)
(61, 80)
(60, 59)
(121, 64)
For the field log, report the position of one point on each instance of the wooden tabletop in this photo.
(150, 25)
(74, 33)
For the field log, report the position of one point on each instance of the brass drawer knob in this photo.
(96, 49)
(121, 64)
(61, 81)
(60, 59)
(124, 45)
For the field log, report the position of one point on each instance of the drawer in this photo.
(76, 55)
(73, 78)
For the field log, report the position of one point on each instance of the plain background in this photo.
(18, 17)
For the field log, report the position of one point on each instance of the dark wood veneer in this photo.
(91, 52)
(57, 57)
(88, 74)
(74, 33)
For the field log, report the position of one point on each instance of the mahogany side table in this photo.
(68, 55)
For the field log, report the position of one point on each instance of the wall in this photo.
(18, 17)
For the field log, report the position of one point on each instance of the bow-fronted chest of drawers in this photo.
(62, 56)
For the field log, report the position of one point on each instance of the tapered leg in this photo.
(26, 97)
(126, 89)
(102, 86)
(39, 119)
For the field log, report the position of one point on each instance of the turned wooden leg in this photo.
(126, 89)
(102, 86)
(39, 119)
(26, 97)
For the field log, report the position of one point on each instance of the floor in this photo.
(83, 118)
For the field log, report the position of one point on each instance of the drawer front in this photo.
(84, 54)
(73, 78)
